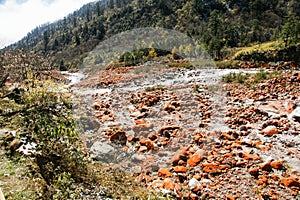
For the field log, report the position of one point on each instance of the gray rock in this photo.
(102, 152)
(107, 153)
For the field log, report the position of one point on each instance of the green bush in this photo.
(260, 76)
(43, 115)
(250, 80)
(236, 78)
(231, 64)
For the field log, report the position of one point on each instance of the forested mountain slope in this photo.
(213, 23)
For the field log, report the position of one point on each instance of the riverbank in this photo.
(189, 135)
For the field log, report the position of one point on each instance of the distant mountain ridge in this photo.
(213, 23)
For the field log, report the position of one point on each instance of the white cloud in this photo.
(17, 19)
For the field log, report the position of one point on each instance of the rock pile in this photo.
(174, 145)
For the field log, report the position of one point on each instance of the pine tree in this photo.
(291, 30)
(46, 41)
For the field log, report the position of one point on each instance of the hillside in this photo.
(215, 24)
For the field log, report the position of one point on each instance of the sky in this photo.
(18, 17)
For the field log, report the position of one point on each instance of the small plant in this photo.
(236, 78)
(158, 87)
(260, 76)
(228, 78)
(277, 73)
(196, 88)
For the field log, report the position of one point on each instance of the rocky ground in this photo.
(186, 133)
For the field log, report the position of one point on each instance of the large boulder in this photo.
(103, 152)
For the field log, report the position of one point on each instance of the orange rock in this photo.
(180, 169)
(193, 196)
(274, 177)
(210, 168)
(148, 143)
(266, 166)
(169, 108)
(254, 171)
(230, 197)
(277, 165)
(144, 141)
(236, 146)
(169, 128)
(248, 156)
(290, 152)
(227, 155)
(168, 184)
(197, 138)
(197, 176)
(262, 180)
(164, 172)
(290, 182)
(222, 167)
(215, 187)
(240, 163)
(140, 122)
(195, 158)
(132, 138)
(227, 136)
(257, 143)
(165, 143)
(106, 118)
(101, 106)
(270, 130)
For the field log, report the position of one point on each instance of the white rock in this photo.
(205, 181)
(165, 191)
(14, 133)
(193, 183)
(27, 149)
(295, 115)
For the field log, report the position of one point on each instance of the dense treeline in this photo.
(215, 24)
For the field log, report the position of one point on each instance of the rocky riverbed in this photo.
(186, 133)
